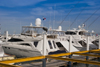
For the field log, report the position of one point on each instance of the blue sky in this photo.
(17, 13)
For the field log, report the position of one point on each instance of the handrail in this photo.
(23, 59)
(57, 57)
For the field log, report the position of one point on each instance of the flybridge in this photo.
(32, 30)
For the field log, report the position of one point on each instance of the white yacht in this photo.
(30, 42)
(79, 36)
(96, 41)
(62, 40)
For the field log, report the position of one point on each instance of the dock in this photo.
(57, 60)
(54, 63)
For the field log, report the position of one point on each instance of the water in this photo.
(86, 65)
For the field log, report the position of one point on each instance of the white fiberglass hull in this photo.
(21, 51)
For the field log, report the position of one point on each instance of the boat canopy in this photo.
(33, 30)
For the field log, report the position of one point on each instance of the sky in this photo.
(17, 13)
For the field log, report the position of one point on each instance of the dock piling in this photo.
(87, 47)
(44, 62)
(87, 57)
(99, 47)
(44, 50)
(87, 43)
(70, 56)
(99, 41)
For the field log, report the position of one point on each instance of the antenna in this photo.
(61, 16)
(77, 17)
(54, 15)
(50, 20)
(68, 14)
(90, 16)
(20, 26)
(93, 21)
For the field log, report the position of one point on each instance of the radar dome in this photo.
(38, 22)
(60, 28)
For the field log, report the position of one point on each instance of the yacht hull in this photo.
(20, 52)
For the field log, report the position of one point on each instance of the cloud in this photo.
(46, 11)
(8, 13)
(58, 10)
(14, 3)
(41, 11)
(72, 3)
(61, 3)
(90, 2)
(15, 23)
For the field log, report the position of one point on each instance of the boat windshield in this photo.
(83, 33)
(25, 44)
(15, 40)
(56, 32)
(70, 33)
(30, 30)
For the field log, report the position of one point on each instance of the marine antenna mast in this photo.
(90, 16)
(77, 17)
(93, 21)
(68, 13)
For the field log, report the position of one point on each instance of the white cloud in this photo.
(11, 18)
(8, 13)
(60, 4)
(40, 11)
(46, 11)
(90, 2)
(14, 3)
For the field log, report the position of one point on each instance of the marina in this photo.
(38, 46)
(47, 33)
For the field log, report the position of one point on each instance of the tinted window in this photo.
(83, 43)
(59, 44)
(26, 44)
(35, 44)
(14, 40)
(81, 33)
(71, 33)
(54, 44)
(50, 44)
